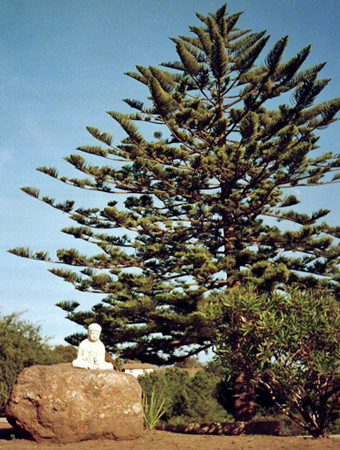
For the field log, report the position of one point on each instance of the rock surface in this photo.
(63, 404)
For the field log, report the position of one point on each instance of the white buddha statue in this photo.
(91, 351)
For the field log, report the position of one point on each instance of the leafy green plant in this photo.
(4, 390)
(171, 384)
(153, 409)
(21, 346)
(188, 399)
(286, 342)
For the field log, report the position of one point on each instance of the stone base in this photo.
(63, 404)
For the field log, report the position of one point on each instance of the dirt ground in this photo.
(165, 440)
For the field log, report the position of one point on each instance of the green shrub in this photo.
(65, 353)
(187, 399)
(21, 346)
(286, 342)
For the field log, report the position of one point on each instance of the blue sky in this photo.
(63, 67)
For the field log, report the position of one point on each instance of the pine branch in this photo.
(106, 138)
(188, 60)
(26, 252)
(274, 56)
(286, 71)
(167, 81)
(134, 104)
(219, 58)
(164, 101)
(204, 39)
(128, 126)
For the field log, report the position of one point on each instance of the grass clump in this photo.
(153, 409)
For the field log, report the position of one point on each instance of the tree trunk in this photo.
(245, 402)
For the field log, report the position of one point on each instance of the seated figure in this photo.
(91, 351)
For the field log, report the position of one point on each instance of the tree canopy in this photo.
(196, 209)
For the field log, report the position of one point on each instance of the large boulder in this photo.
(63, 404)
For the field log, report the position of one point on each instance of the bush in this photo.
(288, 343)
(186, 399)
(64, 353)
(21, 346)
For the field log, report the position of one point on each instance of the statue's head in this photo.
(94, 330)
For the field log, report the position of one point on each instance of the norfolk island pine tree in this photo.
(199, 193)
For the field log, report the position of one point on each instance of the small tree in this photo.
(21, 346)
(288, 343)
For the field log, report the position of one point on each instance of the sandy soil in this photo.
(164, 440)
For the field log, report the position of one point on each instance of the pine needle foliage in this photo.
(203, 199)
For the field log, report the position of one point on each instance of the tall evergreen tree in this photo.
(198, 197)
